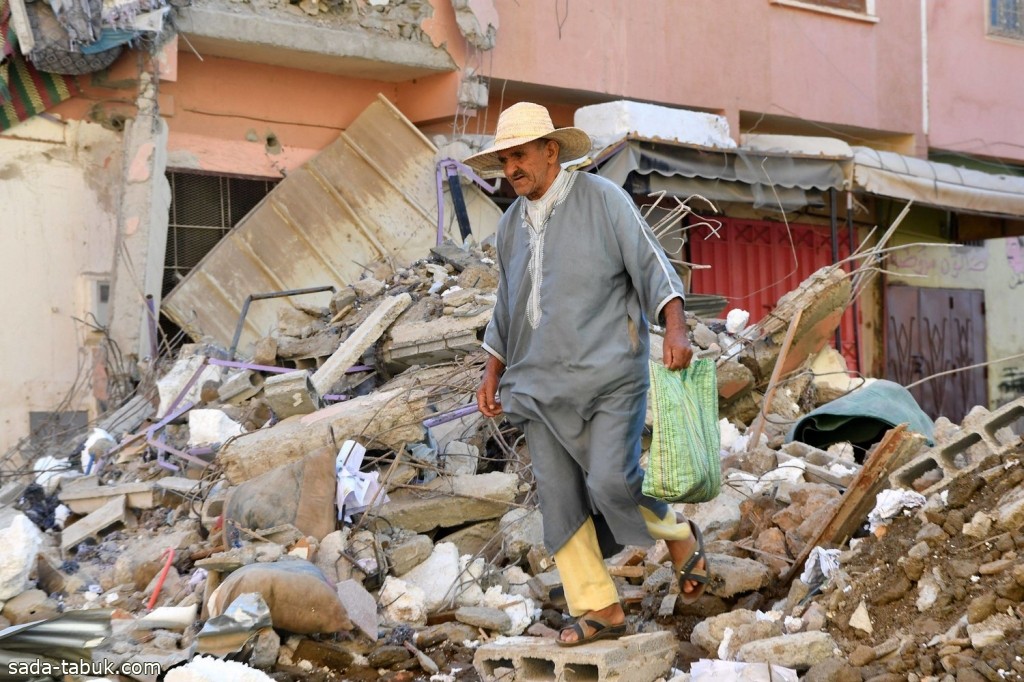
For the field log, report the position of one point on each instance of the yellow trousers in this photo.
(588, 586)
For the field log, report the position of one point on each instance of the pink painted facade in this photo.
(976, 100)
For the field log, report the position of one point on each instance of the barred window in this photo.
(1006, 18)
(204, 208)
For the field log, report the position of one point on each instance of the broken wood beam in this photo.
(894, 449)
(773, 383)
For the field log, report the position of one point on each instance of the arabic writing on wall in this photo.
(941, 262)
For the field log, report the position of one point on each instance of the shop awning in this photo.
(762, 177)
(937, 184)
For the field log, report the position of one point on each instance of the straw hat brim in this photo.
(573, 143)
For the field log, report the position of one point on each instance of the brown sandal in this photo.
(602, 629)
(688, 572)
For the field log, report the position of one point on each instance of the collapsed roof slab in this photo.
(369, 196)
(268, 36)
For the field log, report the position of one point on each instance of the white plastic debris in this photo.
(96, 445)
(891, 502)
(50, 471)
(706, 670)
(20, 542)
(736, 320)
(356, 489)
(819, 566)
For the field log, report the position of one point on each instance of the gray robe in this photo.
(576, 378)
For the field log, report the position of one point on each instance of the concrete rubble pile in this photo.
(333, 507)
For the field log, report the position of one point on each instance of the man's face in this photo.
(530, 167)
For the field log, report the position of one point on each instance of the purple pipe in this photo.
(450, 416)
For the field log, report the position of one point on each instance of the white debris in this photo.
(50, 471)
(861, 619)
(211, 426)
(706, 670)
(820, 565)
(20, 542)
(611, 121)
(210, 669)
(403, 602)
(96, 445)
(520, 610)
(736, 320)
(891, 502)
(730, 439)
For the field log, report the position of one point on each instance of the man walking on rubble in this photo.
(580, 275)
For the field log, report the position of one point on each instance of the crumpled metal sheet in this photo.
(68, 637)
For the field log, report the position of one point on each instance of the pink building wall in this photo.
(727, 56)
(976, 96)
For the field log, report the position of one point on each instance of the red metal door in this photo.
(754, 262)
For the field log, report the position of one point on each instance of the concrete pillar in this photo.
(142, 226)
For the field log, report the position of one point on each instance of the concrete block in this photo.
(364, 336)
(635, 658)
(85, 499)
(29, 606)
(240, 387)
(292, 393)
(419, 342)
(950, 459)
(211, 426)
(111, 513)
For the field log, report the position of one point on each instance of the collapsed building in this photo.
(325, 502)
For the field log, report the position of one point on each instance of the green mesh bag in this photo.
(684, 464)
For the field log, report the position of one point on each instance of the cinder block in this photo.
(291, 393)
(240, 387)
(636, 658)
(947, 458)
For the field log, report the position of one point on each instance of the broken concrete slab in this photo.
(112, 512)
(86, 495)
(429, 506)
(415, 340)
(364, 336)
(360, 606)
(291, 394)
(637, 658)
(385, 418)
(798, 651)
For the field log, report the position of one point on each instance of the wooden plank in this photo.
(780, 361)
(859, 498)
(85, 499)
(93, 524)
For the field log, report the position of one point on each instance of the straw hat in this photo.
(525, 122)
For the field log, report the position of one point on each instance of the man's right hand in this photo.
(487, 393)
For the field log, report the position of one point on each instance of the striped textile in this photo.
(24, 91)
(684, 464)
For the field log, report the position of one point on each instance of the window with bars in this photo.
(203, 209)
(1006, 18)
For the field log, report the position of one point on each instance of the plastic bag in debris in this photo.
(819, 566)
(706, 670)
(356, 489)
(889, 503)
